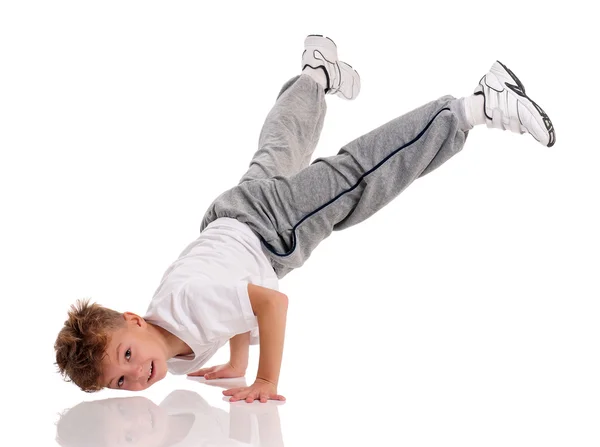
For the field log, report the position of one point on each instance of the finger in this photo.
(232, 391)
(265, 396)
(201, 372)
(250, 398)
(243, 394)
(220, 375)
(239, 396)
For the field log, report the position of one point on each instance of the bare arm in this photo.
(239, 347)
(270, 308)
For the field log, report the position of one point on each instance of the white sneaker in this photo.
(507, 106)
(342, 79)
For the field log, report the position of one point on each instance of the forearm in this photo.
(239, 347)
(271, 326)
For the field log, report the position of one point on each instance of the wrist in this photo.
(239, 351)
(265, 380)
(239, 365)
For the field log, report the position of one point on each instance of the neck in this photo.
(174, 345)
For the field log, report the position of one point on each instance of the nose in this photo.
(140, 373)
(137, 375)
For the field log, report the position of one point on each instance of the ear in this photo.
(134, 319)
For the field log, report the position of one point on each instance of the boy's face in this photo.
(135, 357)
(134, 421)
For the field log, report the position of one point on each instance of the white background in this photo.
(464, 313)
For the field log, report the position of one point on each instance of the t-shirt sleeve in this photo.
(218, 311)
(254, 338)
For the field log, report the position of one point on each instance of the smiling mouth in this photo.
(151, 372)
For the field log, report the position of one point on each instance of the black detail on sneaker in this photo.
(329, 88)
(514, 76)
(326, 75)
(519, 89)
(547, 123)
(325, 70)
(328, 80)
(516, 89)
(484, 99)
(481, 82)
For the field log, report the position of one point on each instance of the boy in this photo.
(224, 285)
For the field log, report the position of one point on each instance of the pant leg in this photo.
(292, 215)
(291, 130)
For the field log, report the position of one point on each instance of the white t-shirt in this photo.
(203, 296)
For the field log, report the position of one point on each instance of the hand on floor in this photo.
(226, 371)
(259, 390)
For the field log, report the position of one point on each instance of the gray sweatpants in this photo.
(292, 206)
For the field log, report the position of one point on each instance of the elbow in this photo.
(284, 300)
(263, 299)
(278, 303)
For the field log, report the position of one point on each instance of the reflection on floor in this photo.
(183, 418)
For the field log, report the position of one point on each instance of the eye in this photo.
(128, 354)
(121, 381)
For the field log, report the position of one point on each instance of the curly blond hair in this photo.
(81, 344)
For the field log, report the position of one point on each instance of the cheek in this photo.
(163, 369)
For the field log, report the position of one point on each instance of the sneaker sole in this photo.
(355, 88)
(318, 40)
